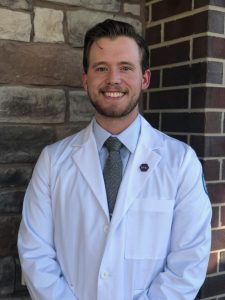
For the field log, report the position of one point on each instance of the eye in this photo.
(101, 69)
(126, 68)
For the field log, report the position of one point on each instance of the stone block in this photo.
(79, 21)
(48, 25)
(32, 105)
(7, 274)
(17, 4)
(9, 226)
(81, 109)
(105, 5)
(40, 64)
(23, 143)
(11, 202)
(13, 176)
(64, 131)
(14, 25)
(134, 9)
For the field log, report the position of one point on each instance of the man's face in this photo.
(114, 79)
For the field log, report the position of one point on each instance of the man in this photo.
(151, 239)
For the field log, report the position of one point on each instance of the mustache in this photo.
(113, 88)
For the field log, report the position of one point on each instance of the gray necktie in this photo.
(112, 171)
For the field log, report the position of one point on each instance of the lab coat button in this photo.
(104, 275)
(106, 228)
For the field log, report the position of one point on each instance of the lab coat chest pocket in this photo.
(148, 229)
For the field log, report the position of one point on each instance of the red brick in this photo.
(144, 101)
(213, 286)
(183, 122)
(208, 146)
(212, 21)
(211, 169)
(215, 217)
(209, 47)
(170, 54)
(216, 192)
(210, 72)
(165, 8)
(223, 215)
(208, 122)
(222, 261)
(169, 99)
(152, 118)
(146, 13)
(213, 122)
(200, 3)
(208, 97)
(155, 79)
(24, 63)
(218, 239)
(212, 266)
(153, 35)
(178, 76)
(223, 169)
(182, 138)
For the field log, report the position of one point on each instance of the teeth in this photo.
(114, 94)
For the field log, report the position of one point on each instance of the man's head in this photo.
(113, 29)
(116, 71)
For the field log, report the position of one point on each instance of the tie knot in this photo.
(113, 144)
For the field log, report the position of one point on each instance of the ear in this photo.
(146, 79)
(84, 80)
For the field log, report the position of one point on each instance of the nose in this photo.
(113, 76)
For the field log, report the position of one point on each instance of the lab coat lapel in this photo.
(86, 158)
(134, 178)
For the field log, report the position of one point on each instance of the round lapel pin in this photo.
(144, 167)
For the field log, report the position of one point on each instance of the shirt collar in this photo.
(129, 137)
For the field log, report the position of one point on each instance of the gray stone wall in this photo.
(41, 98)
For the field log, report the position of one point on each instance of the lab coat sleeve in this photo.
(187, 260)
(42, 272)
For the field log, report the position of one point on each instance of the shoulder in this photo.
(169, 147)
(61, 149)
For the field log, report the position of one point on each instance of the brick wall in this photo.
(41, 98)
(186, 99)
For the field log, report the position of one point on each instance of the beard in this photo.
(111, 112)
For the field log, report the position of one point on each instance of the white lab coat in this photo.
(157, 244)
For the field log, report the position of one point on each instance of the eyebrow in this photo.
(120, 63)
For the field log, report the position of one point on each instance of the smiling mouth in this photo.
(114, 94)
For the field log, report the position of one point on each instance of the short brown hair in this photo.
(112, 29)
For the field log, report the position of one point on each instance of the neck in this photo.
(115, 125)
